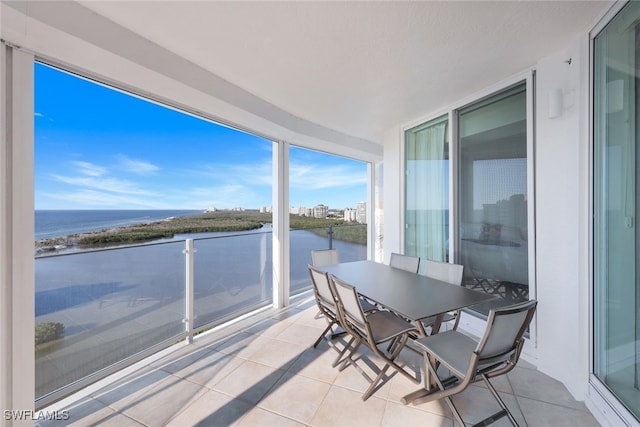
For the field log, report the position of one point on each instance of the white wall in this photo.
(562, 218)
(392, 193)
(562, 222)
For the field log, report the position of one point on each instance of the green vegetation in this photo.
(204, 223)
(298, 222)
(353, 233)
(48, 331)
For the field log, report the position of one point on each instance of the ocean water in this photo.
(59, 223)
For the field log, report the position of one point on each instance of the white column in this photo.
(280, 200)
(17, 316)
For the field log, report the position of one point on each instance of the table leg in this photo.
(437, 324)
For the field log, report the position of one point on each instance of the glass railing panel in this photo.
(350, 240)
(232, 274)
(94, 309)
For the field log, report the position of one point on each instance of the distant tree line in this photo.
(218, 221)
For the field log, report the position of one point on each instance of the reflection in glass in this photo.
(232, 275)
(112, 304)
(616, 237)
(493, 234)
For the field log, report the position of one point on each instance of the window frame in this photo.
(475, 322)
(604, 400)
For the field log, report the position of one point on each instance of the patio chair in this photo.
(405, 262)
(372, 330)
(469, 360)
(449, 273)
(326, 302)
(444, 271)
(322, 257)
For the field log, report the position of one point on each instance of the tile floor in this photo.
(264, 372)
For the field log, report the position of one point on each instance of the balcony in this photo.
(117, 305)
(131, 355)
(263, 371)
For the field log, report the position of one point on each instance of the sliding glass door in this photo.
(492, 195)
(616, 237)
(427, 190)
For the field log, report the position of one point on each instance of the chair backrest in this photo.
(505, 329)
(405, 262)
(322, 290)
(325, 257)
(349, 307)
(450, 273)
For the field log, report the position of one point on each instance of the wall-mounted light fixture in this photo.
(554, 103)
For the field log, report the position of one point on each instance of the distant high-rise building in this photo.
(361, 216)
(320, 211)
(350, 215)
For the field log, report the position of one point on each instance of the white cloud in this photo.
(319, 177)
(139, 167)
(89, 169)
(94, 199)
(111, 185)
(38, 114)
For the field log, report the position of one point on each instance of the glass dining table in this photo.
(408, 294)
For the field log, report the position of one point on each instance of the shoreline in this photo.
(146, 232)
(207, 222)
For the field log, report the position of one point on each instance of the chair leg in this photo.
(348, 360)
(505, 411)
(327, 329)
(339, 359)
(397, 344)
(375, 381)
(434, 373)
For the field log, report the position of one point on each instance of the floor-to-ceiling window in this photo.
(492, 188)
(427, 190)
(616, 237)
(121, 183)
(328, 197)
(491, 159)
(133, 198)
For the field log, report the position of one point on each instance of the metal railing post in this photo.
(330, 233)
(189, 252)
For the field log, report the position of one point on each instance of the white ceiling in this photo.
(359, 68)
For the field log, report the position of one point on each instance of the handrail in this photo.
(176, 240)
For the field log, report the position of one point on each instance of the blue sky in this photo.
(98, 148)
